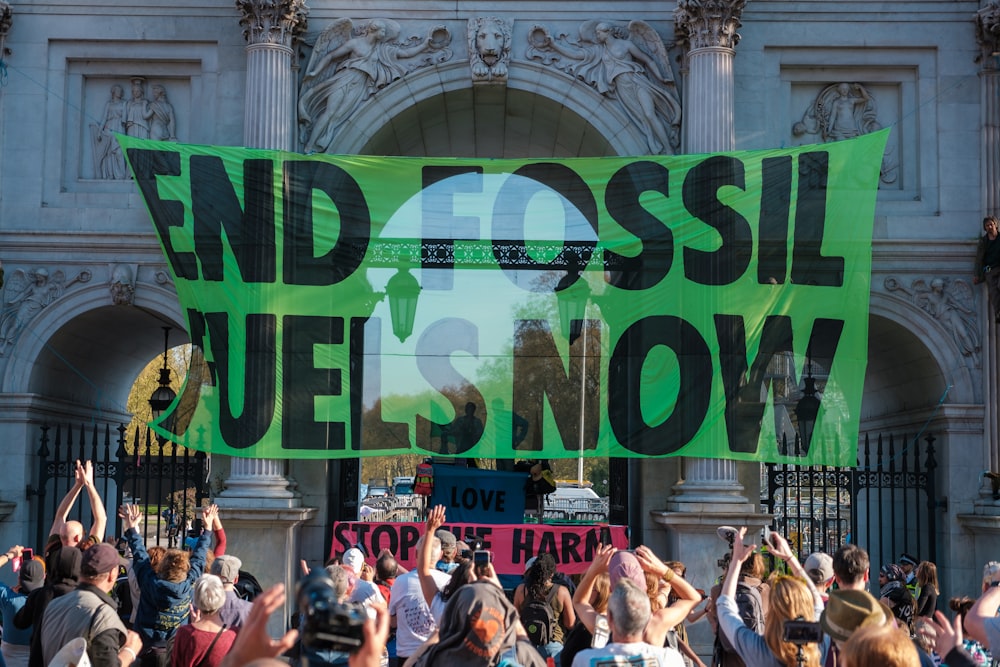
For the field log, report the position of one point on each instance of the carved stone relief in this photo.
(6, 22)
(489, 49)
(136, 116)
(843, 111)
(705, 23)
(122, 284)
(951, 303)
(628, 65)
(26, 294)
(272, 21)
(988, 33)
(351, 63)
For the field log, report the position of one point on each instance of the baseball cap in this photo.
(819, 567)
(354, 560)
(227, 568)
(624, 565)
(31, 575)
(100, 559)
(447, 538)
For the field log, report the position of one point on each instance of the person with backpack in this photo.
(752, 600)
(546, 608)
(792, 598)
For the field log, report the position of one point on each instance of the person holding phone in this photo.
(792, 598)
(16, 644)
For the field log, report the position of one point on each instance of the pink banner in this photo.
(512, 544)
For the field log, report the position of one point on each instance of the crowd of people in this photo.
(82, 601)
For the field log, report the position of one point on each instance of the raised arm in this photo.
(435, 519)
(982, 612)
(66, 504)
(585, 612)
(687, 596)
(779, 548)
(96, 502)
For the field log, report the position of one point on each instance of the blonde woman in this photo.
(791, 598)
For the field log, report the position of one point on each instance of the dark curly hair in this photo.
(460, 576)
(539, 577)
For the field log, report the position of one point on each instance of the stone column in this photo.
(710, 29)
(988, 37)
(710, 494)
(268, 122)
(261, 513)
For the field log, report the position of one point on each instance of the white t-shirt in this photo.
(366, 593)
(414, 622)
(633, 654)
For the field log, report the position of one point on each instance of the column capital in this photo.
(988, 34)
(6, 21)
(705, 23)
(272, 21)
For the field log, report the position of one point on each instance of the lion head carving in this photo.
(489, 48)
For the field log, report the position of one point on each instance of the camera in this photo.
(801, 633)
(326, 623)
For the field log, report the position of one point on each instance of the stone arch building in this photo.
(747, 74)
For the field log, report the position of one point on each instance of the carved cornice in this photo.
(704, 23)
(988, 34)
(6, 22)
(272, 21)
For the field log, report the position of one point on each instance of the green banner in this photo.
(341, 306)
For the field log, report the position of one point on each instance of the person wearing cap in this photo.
(234, 610)
(848, 610)
(449, 549)
(633, 565)
(365, 591)
(819, 567)
(909, 564)
(16, 643)
(61, 577)
(90, 612)
(165, 600)
(629, 614)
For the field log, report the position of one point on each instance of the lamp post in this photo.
(163, 396)
(806, 410)
(403, 291)
(572, 295)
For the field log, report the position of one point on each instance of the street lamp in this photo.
(403, 291)
(806, 409)
(163, 396)
(572, 295)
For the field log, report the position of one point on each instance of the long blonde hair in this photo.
(790, 599)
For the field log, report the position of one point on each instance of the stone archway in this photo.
(539, 113)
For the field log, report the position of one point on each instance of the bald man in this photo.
(70, 533)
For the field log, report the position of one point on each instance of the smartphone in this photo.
(802, 632)
(27, 554)
(482, 558)
(766, 537)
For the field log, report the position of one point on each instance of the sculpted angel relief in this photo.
(351, 63)
(630, 66)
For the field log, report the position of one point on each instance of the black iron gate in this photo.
(887, 504)
(168, 483)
